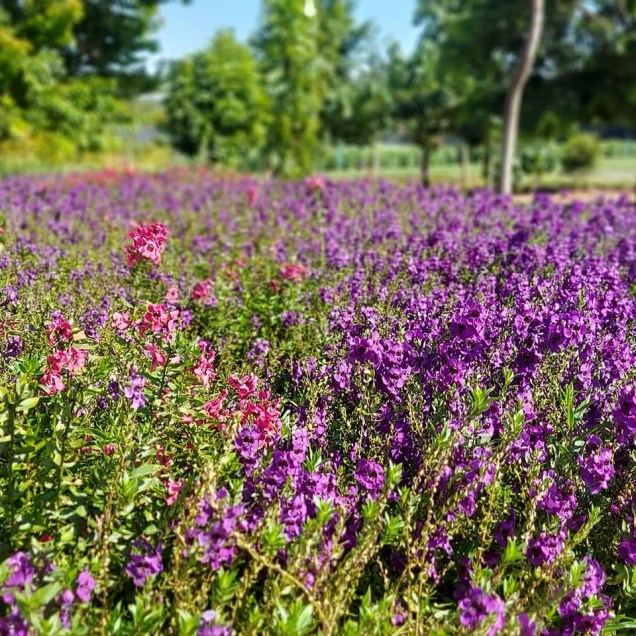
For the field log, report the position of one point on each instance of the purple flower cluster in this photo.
(146, 564)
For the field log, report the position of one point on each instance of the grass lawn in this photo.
(612, 172)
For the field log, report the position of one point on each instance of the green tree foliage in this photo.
(358, 105)
(111, 39)
(41, 105)
(477, 44)
(361, 110)
(602, 84)
(215, 105)
(44, 24)
(581, 152)
(287, 46)
(426, 99)
(305, 49)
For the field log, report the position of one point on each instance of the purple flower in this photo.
(476, 606)
(627, 551)
(544, 549)
(113, 389)
(208, 628)
(526, 626)
(134, 390)
(594, 578)
(505, 530)
(143, 566)
(14, 347)
(597, 469)
(22, 571)
(85, 586)
(370, 475)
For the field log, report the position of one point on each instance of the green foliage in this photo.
(46, 113)
(362, 109)
(539, 159)
(581, 152)
(287, 46)
(215, 105)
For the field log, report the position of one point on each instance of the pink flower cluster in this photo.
(315, 183)
(147, 243)
(72, 360)
(204, 369)
(263, 414)
(201, 290)
(58, 329)
(254, 409)
(157, 356)
(294, 273)
(161, 320)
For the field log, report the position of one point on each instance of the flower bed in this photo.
(241, 407)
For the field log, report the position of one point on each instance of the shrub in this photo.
(581, 152)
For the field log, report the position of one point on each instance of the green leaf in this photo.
(27, 404)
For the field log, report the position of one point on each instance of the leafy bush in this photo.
(580, 153)
(539, 159)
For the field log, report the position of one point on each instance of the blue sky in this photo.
(188, 28)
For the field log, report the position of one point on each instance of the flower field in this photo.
(232, 407)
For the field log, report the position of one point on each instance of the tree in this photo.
(478, 44)
(602, 84)
(41, 106)
(111, 40)
(359, 104)
(286, 45)
(301, 46)
(215, 105)
(425, 100)
(515, 93)
(363, 107)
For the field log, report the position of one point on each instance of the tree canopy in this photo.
(216, 107)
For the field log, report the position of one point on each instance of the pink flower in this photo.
(109, 449)
(56, 362)
(294, 273)
(157, 356)
(316, 183)
(252, 194)
(120, 321)
(76, 360)
(172, 294)
(244, 386)
(264, 415)
(174, 488)
(201, 289)
(59, 328)
(215, 409)
(204, 369)
(147, 242)
(160, 321)
(52, 383)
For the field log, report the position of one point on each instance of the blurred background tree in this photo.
(216, 107)
(112, 39)
(315, 86)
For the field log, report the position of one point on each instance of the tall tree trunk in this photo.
(424, 161)
(515, 94)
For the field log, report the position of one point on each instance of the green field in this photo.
(611, 172)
